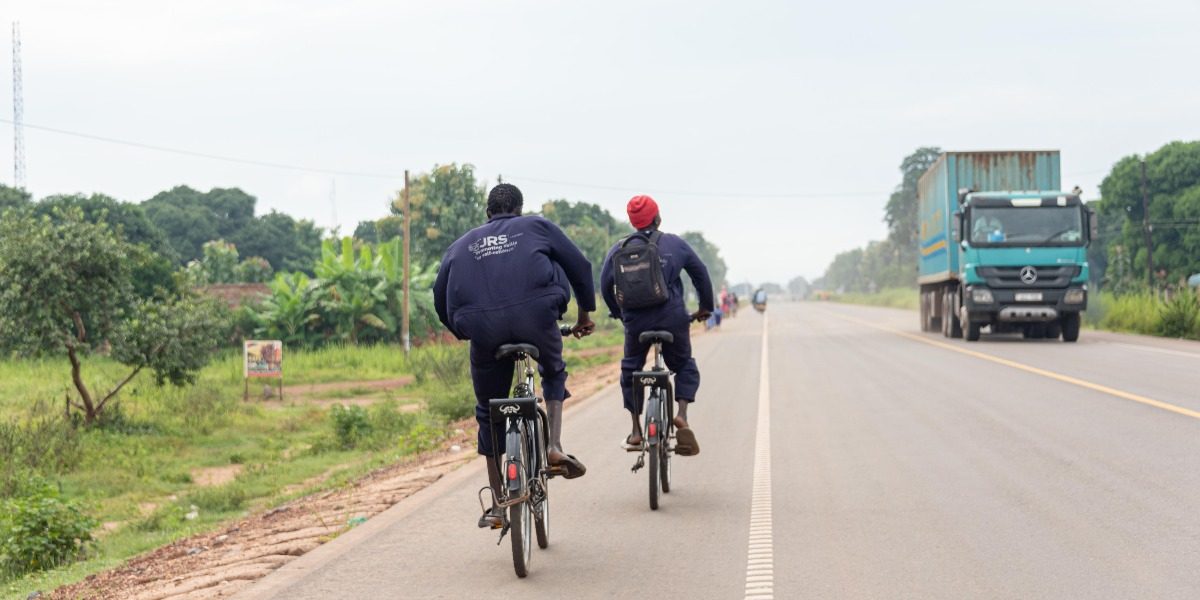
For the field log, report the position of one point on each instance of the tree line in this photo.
(84, 274)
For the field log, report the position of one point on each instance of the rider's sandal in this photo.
(568, 467)
(630, 447)
(685, 442)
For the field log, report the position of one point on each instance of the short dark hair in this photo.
(505, 199)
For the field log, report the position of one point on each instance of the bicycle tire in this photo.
(653, 407)
(541, 515)
(664, 473)
(519, 517)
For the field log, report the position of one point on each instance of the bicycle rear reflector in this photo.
(653, 429)
(512, 471)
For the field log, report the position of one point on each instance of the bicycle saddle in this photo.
(649, 337)
(514, 350)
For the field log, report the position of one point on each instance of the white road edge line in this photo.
(760, 555)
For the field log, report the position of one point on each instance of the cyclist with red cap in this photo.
(675, 257)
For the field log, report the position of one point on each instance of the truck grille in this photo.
(1010, 277)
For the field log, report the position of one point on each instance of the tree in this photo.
(189, 219)
(591, 227)
(798, 287)
(710, 255)
(385, 229)
(11, 197)
(1173, 186)
(444, 203)
(66, 287)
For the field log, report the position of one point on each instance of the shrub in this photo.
(453, 402)
(351, 425)
(47, 444)
(1134, 313)
(388, 424)
(447, 364)
(41, 531)
(1180, 318)
(219, 499)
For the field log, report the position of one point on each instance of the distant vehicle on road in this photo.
(1001, 247)
(760, 300)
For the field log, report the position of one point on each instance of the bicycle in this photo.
(654, 389)
(526, 469)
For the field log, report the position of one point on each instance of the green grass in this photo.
(905, 298)
(154, 438)
(1147, 314)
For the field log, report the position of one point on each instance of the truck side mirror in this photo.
(1093, 224)
(956, 226)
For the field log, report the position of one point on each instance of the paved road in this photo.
(903, 465)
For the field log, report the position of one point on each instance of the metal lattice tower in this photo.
(18, 110)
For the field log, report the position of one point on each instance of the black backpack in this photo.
(639, 275)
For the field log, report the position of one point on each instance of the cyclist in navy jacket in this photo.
(509, 281)
(677, 257)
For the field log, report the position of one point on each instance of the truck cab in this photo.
(1022, 262)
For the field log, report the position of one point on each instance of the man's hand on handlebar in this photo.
(701, 315)
(583, 327)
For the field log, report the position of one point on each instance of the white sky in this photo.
(768, 98)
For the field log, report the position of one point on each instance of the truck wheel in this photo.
(951, 327)
(924, 312)
(971, 331)
(1070, 327)
(1054, 330)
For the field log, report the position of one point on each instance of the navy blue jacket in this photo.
(508, 261)
(677, 256)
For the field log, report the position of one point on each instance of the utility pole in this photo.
(404, 331)
(1147, 229)
(18, 111)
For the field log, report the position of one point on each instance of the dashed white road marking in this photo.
(760, 556)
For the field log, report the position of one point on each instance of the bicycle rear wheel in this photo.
(541, 510)
(652, 407)
(519, 532)
(519, 518)
(664, 469)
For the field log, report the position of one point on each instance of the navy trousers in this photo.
(534, 322)
(677, 355)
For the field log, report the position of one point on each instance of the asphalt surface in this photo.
(902, 465)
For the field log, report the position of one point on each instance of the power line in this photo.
(364, 174)
(193, 153)
(694, 193)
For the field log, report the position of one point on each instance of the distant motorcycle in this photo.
(759, 300)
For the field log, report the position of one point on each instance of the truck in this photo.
(1001, 246)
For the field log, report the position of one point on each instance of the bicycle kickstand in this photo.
(641, 461)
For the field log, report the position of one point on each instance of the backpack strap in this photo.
(637, 235)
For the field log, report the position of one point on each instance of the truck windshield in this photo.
(1032, 226)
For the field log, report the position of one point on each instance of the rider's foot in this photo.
(685, 439)
(492, 519)
(634, 442)
(565, 464)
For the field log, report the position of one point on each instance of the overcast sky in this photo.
(776, 128)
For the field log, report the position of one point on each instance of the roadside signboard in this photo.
(262, 358)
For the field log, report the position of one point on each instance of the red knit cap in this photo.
(642, 210)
